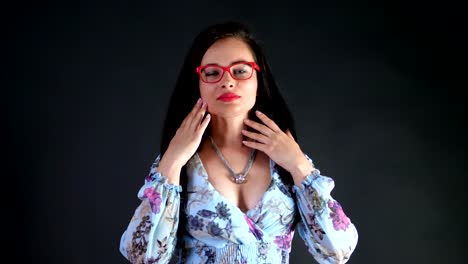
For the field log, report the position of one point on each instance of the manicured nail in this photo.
(257, 112)
(199, 100)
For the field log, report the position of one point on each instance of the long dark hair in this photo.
(186, 93)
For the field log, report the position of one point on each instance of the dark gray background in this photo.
(376, 93)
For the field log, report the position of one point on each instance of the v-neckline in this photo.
(249, 211)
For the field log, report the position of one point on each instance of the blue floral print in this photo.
(219, 232)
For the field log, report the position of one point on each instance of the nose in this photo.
(227, 80)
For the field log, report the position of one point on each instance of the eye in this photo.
(212, 73)
(242, 71)
(239, 71)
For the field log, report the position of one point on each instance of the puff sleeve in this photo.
(328, 233)
(151, 234)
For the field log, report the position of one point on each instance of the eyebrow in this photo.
(234, 62)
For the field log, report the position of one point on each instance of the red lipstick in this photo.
(228, 97)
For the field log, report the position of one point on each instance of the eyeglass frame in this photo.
(253, 64)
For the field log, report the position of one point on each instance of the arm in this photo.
(327, 231)
(151, 235)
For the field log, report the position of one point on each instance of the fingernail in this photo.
(199, 100)
(257, 112)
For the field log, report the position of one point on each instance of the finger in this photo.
(259, 127)
(289, 134)
(267, 121)
(255, 145)
(256, 136)
(198, 116)
(205, 123)
(196, 107)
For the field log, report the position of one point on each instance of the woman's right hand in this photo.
(184, 143)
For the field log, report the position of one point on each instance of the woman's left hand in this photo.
(278, 145)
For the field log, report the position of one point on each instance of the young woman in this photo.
(231, 184)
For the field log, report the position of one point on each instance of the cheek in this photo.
(203, 90)
(252, 95)
(205, 94)
(252, 100)
(253, 89)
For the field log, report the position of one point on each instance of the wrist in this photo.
(171, 170)
(300, 171)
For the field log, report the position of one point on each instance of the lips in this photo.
(228, 97)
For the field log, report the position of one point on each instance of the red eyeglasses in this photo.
(238, 71)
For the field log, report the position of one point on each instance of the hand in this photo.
(185, 142)
(279, 146)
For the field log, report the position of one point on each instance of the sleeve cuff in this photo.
(315, 180)
(157, 177)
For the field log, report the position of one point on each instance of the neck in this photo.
(227, 132)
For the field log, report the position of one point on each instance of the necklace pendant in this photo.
(240, 178)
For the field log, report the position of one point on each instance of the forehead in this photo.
(227, 50)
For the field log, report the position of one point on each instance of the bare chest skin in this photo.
(245, 196)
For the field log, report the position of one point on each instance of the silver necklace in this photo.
(238, 178)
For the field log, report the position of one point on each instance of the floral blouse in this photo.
(219, 232)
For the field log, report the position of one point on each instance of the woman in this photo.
(231, 184)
